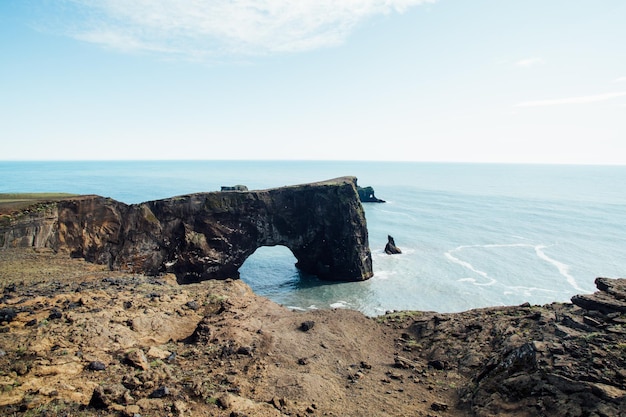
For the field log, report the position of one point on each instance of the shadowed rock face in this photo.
(207, 235)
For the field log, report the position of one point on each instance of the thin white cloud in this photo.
(572, 100)
(210, 28)
(620, 80)
(529, 62)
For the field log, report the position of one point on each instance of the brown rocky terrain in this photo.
(77, 339)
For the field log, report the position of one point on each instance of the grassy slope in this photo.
(16, 201)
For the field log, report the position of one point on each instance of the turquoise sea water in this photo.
(472, 235)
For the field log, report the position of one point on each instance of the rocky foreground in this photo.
(79, 340)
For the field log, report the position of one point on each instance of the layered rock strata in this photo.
(206, 235)
(559, 359)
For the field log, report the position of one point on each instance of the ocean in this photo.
(471, 235)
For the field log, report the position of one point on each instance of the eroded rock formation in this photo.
(390, 247)
(366, 194)
(206, 235)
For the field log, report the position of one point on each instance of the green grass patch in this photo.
(19, 197)
(11, 202)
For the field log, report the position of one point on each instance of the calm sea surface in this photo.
(472, 235)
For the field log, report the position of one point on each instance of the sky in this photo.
(511, 81)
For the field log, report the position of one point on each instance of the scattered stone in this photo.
(307, 325)
(436, 406)
(393, 375)
(31, 323)
(132, 410)
(7, 315)
(105, 396)
(137, 359)
(20, 368)
(179, 407)
(438, 364)
(55, 315)
(96, 366)
(303, 361)
(404, 363)
(156, 353)
(160, 392)
(192, 305)
(244, 350)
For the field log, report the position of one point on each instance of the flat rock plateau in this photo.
(77, 339)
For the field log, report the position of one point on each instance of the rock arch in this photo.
(209, 235)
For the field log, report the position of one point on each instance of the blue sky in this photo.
(449, 80)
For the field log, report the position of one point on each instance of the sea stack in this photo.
(390, 247)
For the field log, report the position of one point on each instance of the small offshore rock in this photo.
(307, 325)
(390, 247)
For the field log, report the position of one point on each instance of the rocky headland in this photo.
(205, 235)
(78, 338)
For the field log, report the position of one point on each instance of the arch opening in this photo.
(270, 271)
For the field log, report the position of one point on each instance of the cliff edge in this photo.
(205, 235)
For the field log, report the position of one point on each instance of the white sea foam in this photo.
(340, 304)
(528, 291)
(469, 266)
(383, 275)
(563, 268)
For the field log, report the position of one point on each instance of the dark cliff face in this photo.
(209, 235)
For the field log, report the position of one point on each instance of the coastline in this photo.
(215, 348)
